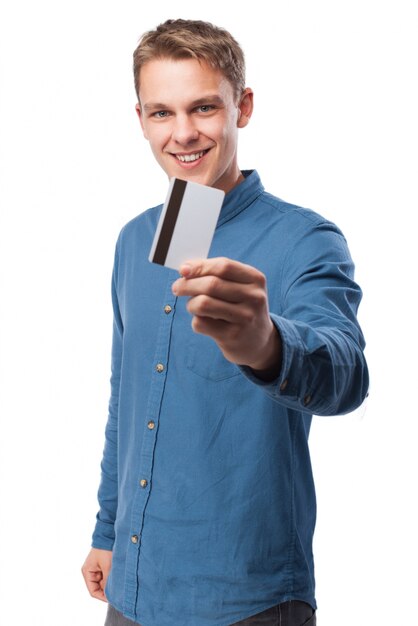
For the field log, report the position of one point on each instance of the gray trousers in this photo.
(293, 613)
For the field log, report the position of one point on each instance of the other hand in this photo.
(95, 571)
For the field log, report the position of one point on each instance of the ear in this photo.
(245, 108)
(141, 119)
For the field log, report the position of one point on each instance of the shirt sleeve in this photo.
(104, 534)
(323, 366)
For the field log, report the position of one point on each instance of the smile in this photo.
(188, 158)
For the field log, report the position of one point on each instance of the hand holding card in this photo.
(187, 223)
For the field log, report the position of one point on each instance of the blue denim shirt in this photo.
(207, 497)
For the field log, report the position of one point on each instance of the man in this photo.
(207, 503)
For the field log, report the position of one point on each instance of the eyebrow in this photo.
(160, 106)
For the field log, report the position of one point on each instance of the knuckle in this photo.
(259, 298)
(261, 279)
(224, 264)
(213, 284)
(198, 305)
(247, 316)
(203, 303)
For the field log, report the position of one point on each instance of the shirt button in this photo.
(160, 367)
(167, 309)
(284, 384)
(143, 483)
(306, 400)
(134, 538)
(151, 425)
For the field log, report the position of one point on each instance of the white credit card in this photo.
(187, 223)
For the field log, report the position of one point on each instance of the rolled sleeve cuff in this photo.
(287, 387)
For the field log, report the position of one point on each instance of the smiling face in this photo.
(189, 115)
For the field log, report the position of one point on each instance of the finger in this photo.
(206, 306)
(217, 329)
(213, 286)
(99, 595)
(92, 574)
(224, 268)
(95, 589)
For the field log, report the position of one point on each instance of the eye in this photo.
(160, 114)
(205, 108)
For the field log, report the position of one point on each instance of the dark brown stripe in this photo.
(170, 220)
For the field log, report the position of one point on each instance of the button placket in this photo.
(156, 392)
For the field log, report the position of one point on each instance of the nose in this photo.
(184, 130)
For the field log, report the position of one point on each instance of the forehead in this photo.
(169, 80)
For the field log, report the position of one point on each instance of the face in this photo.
(189, 115)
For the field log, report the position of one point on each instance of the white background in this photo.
(334, 129)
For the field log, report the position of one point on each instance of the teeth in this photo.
(186, 158)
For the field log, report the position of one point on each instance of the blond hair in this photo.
(193, 39)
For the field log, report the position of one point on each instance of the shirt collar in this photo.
(241, 196)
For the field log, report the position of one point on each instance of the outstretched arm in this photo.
(307, 353)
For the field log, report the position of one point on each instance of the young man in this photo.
(207, 503)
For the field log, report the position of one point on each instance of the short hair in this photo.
(193, 39)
